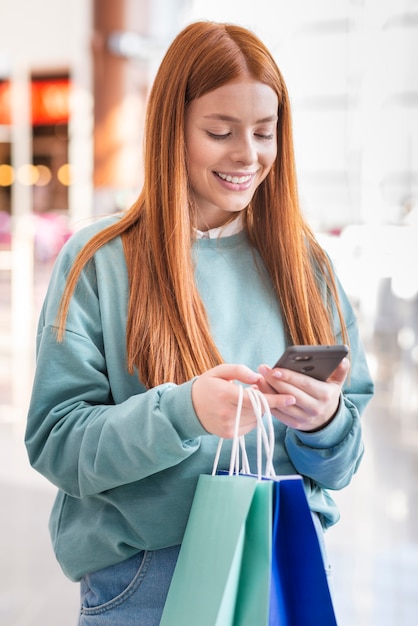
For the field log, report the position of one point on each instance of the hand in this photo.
(316, 402)
(215, 399)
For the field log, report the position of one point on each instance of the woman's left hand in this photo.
(317, 402)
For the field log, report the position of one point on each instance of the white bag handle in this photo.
(265, 438)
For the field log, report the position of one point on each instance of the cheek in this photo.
(270, 158)
(198, 164)
(272, 154)
(200, 152)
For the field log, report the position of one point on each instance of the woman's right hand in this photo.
(215, 399)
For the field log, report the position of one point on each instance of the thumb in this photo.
(339, 375)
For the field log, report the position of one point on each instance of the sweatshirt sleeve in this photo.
(332, 455)
(78, 436)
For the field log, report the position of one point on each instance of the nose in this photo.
(245, 150)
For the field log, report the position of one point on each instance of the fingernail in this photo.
(264, 370)
(277, 374)
(254, 377)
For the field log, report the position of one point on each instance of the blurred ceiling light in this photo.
(27, 174)
(64, 174)
(404, 285)
(44, 175)
(406, 338)
(6, 175)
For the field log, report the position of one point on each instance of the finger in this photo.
(248, 419)
(241, 373)
(300, 385)
(278, 401)
(302, 381)
(263, 386)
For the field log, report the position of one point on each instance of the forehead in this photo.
(243, 100)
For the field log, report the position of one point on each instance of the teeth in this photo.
(234, 179)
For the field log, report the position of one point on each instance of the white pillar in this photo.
(81, 124)
(22, 243)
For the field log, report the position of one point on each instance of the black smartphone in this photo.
(316, 361)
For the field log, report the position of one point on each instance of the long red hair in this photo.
(168, 337)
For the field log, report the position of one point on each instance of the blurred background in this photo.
(74, 80)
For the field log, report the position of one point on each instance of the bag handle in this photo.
(265, 437)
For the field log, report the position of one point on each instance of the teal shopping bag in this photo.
(222, 576)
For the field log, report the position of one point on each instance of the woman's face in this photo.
(231, 142)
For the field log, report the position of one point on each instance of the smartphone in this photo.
(316, 361)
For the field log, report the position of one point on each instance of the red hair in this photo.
(168, 337)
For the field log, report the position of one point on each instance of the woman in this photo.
(150, 315)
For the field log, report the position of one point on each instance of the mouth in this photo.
(236, 180)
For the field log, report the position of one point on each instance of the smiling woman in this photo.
(231, 144)
(150, 315)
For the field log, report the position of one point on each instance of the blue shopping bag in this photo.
(300, 593)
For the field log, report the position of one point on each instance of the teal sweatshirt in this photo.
(126, 460)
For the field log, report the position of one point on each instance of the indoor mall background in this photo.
(74, 79)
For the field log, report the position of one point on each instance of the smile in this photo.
(237, 180)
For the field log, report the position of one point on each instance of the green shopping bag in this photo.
(222, 576)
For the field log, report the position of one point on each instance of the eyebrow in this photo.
(229, 118)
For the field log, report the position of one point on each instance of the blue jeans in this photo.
(131, 593)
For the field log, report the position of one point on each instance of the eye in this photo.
(263, 137)
(218, 136)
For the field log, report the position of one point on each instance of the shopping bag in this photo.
(300, 593)
(223, 570)
(222, 575)
(250, 554)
